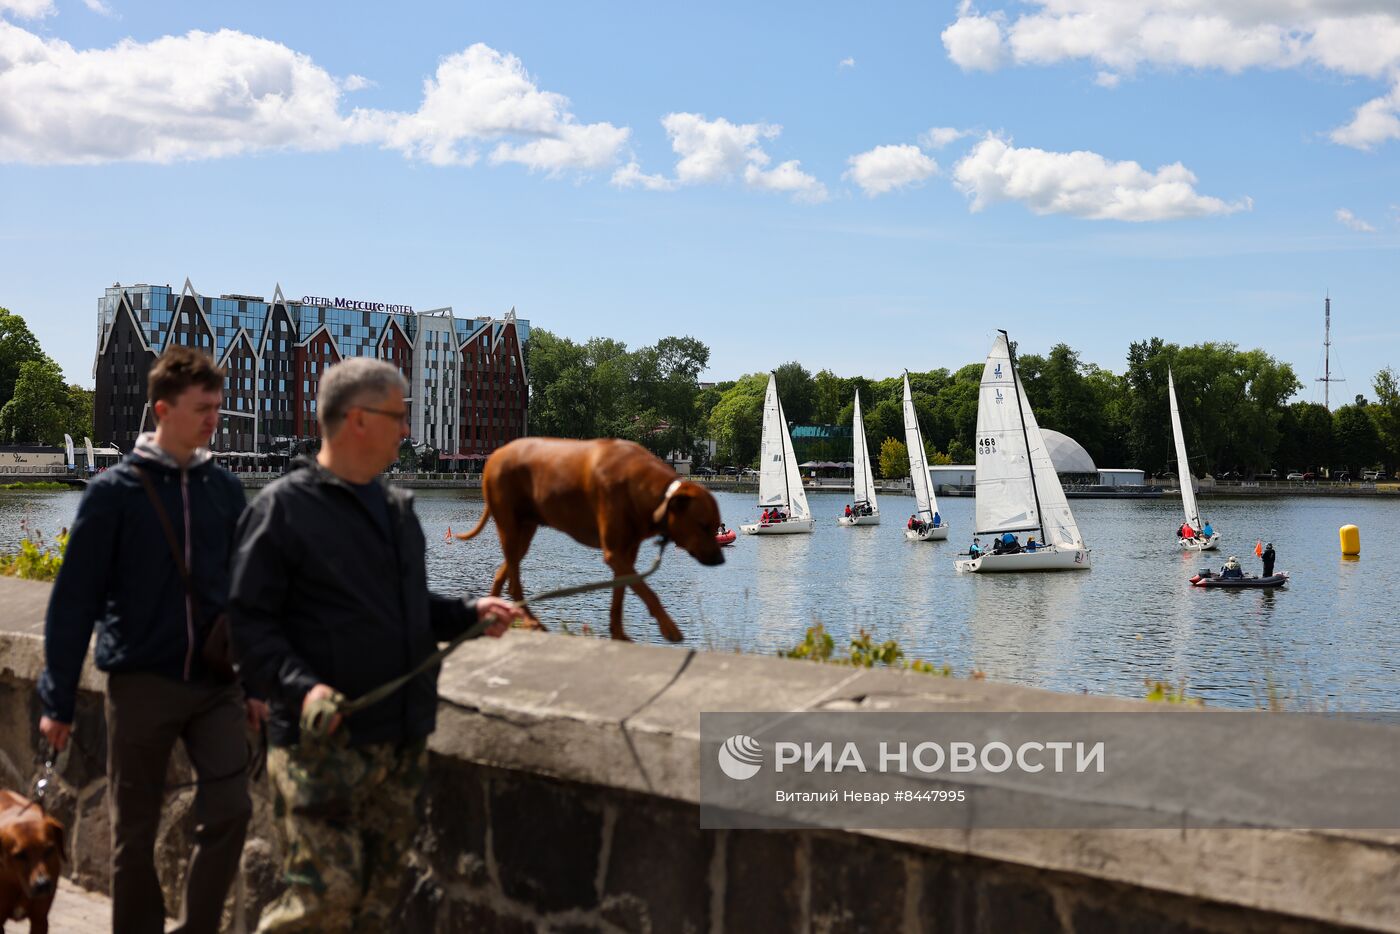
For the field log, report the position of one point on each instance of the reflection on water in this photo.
(1329, 640)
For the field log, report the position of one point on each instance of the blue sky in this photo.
(636, 170)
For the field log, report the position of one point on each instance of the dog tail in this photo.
(486, 514)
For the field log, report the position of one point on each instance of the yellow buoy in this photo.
(1351, 540)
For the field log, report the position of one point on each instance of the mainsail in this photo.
(925, 502)
(864, 478)
(1183, 465)
(1017, 487)
(779, 481)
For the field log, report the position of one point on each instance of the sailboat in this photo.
(1018, 490)
(779, 482)
(864, 479)
(925, 503)
(1188, 482)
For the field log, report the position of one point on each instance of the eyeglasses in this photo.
(401, 417)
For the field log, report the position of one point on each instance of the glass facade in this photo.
(274, 353)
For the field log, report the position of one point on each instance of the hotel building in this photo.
(466, 376)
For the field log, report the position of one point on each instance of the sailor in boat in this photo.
(1208, 531)
(1186, 531)
(1031, 543)
(1269, 557)
(1231, 570)
(763, 519)
(937, 520)
(1010, 545)
(916, 524)
(722, 529)
(848, 510)
(975, 549)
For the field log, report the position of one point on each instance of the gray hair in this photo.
(354, 382)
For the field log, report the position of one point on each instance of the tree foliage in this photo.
(43, 408)
(18, 346)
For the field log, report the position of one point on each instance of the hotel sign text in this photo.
(356, 305)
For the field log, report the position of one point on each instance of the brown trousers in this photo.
(146, 713)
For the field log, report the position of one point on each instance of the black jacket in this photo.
(320, 595)
(119, 575)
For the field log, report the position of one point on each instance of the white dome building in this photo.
(1069, 456)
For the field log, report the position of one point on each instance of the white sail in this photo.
(779, 480)
(1014, 469)
(864, 478)
(1183, 464)
(926, 504)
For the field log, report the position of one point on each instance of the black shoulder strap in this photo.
(169, 531)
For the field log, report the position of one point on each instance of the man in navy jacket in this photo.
(119, 574)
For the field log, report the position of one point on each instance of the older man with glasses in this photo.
(330, 596)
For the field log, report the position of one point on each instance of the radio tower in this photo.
(1327, 379)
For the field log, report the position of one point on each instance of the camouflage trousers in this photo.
(347, 815)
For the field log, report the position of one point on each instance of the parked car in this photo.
(705, 471)
(1295, 475)
(748, 472)
(1373, 475)
(1229, 475)
(1309, 476)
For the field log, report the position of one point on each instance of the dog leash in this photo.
(317, 717)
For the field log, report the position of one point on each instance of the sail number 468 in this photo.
(986, 445)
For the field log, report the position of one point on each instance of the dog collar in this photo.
(671, 491)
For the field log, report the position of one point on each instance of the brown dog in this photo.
(606, 494)
(31, 856)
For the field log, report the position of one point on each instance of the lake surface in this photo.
(1330, 641)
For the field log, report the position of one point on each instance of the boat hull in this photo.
(1241, 583)
(786, 527)
(1199, 544)
(726, 539)
(1042, 559)
(858, 520)
(935, 534)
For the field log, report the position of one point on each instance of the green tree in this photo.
(40, 409)
(832, 396)
(18, 346)
(894, 459)
(736, 421)
(797, 391)
(79, 421)
(1385, 412)
(1358, 442)
(1306, 438)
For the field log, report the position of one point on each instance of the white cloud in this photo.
(632, 176)
(888, 168)
(197, 96)
(1348, 219)
(974, 42)
(715, 151)
(1374, 122)
(1082, 184)
(480, 94)
(1356, 38)
(27, 9)
(788, 178)
(940, 136)
(99, 7)
(213, 95)
(846, 63)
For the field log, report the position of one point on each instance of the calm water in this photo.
(1330, 640)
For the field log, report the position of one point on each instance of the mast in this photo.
(1327, 379)
(782, 426)
(919, 436)
(1021, 413)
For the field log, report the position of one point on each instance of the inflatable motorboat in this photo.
(726, 537)
(1208, 578)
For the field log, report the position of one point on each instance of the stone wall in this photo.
(563, 797)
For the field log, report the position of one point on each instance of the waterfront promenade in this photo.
(564, 796)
